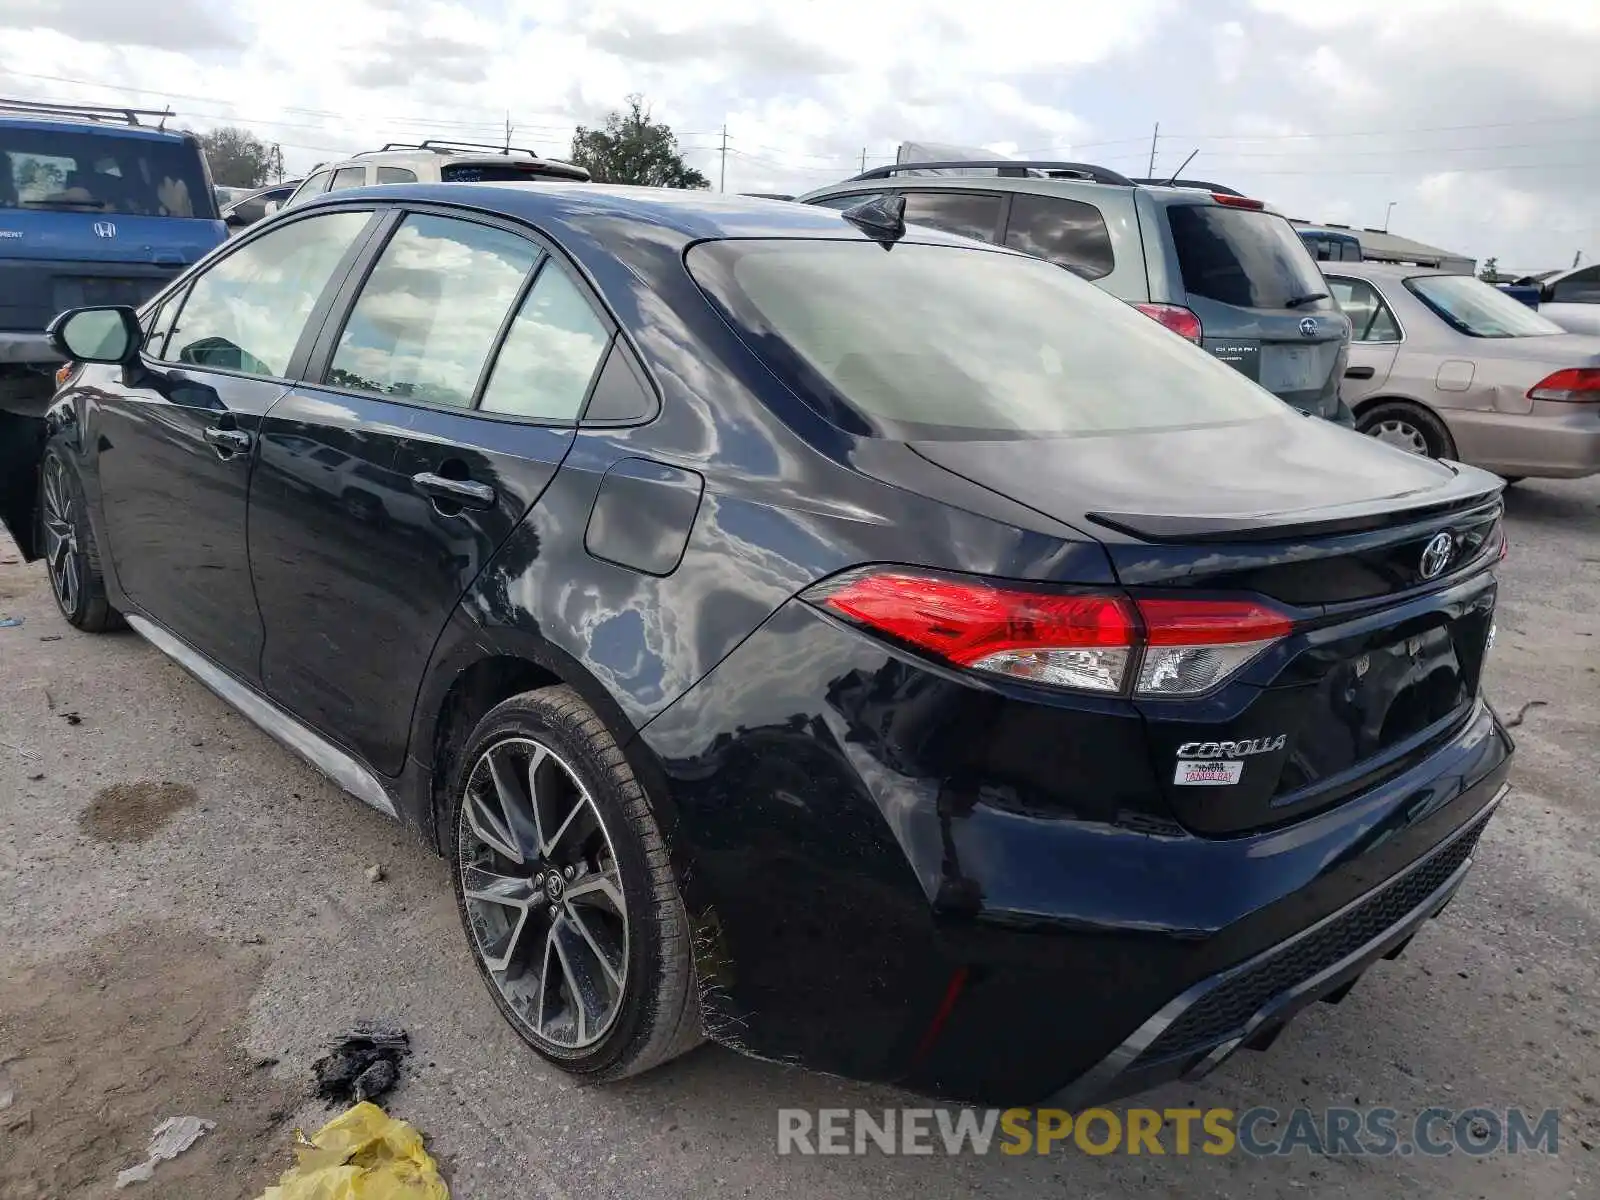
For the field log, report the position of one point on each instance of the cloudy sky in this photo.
(1479, 119)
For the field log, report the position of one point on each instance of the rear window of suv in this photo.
(1244, 258)
(929, 341)
(68, 170)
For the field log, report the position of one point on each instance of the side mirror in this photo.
(96, 335)
(234, 219)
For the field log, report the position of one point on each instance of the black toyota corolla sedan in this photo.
(861, 646)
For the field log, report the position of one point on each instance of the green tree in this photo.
(1490, 271)
(238, 157)
(634, 149)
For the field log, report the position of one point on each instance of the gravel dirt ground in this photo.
(186, 919)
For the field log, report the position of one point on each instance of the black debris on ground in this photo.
(363, 1065)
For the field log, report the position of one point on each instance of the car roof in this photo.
(1383, 271)
(100, 128)
(593, 210)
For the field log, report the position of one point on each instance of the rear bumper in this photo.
(1249, 1005)
(18, 346)
(1554, 441)
(895, 875)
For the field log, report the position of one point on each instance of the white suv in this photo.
(434, 162)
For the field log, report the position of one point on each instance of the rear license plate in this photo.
(1290, 368)
(1211, 773)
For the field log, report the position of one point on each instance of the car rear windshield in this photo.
(510, 172)
(1478, 310)
(928, 341)
(1244, 258)
(69, 170)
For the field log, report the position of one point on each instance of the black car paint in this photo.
(895, 872)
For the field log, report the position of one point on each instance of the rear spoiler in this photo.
(1470, 488)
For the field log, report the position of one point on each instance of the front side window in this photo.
(1370, 318)
(423, 325)
(926, 341)
(62, 170)
(549, 356)
(1581, 287)
(159, 323)
(1065, 232)
(1472, 307)
(314, 186)
(247, 312)
(969, 214)
(1241, 257)
(348, 177)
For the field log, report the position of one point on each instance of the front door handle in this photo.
(465, 492)
(1359, 372)
(228, 442)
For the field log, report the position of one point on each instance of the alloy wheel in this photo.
(62, 555)
(543, 894)
(1402, 434)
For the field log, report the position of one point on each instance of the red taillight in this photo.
(1237, 201)
(1174, 317)
(1061, 639)
(1573, 385)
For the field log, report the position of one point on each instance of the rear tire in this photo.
(593, 969)
(1408, 427)
(72, 559)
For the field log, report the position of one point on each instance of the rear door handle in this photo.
(1359, 372)
(465, 492)
(228, 442)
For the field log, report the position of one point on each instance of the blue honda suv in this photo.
(96, 207)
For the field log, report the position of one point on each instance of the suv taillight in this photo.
(1180, 320)
(1573, 385)
(1090, 641)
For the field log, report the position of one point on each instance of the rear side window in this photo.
(68, 171)
(422, 327)
(963, 343)
(550, 354)
(396, 175)
(1370, 318)
(1244, 258)
(348, 177)
(246, 313)
(1061, 231)
(970, 214)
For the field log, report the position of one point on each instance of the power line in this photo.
(1268, 137)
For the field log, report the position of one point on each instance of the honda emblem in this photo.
(105, 229)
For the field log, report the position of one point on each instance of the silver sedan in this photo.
(1447, 366)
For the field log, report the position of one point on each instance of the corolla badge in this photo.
(1436, 555)
(105, 229)
(1308, 327)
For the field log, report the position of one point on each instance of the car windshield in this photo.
(1241, 257)
(1477, 309)
(926, 341)
(70, 170)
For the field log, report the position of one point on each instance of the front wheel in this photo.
(71, 556)
(566, 893)
(1410, 428)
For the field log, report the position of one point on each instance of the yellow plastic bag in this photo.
(363, 1154)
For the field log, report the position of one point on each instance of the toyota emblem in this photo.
(1436, 555)
(1308, 327)
(104, 229)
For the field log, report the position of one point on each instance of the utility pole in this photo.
(722, 176)
(863, 160)
(1386, 213)
(1150, 171)
(508, 131)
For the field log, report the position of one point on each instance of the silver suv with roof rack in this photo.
(435, 161)
(1212, 265)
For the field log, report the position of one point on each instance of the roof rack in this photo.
(447, 147)
(1198, 184)
(86, 112)
(1004, 167)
